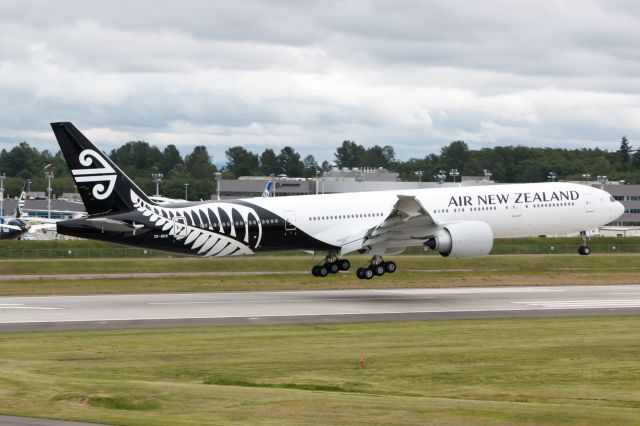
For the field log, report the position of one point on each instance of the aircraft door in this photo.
(516, 210)
(588, 199)
(289, 220)
(179, 227)
(516, 217)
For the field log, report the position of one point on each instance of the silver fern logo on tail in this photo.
(105, 173)
(207, 230)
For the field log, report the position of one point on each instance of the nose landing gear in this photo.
(377, 266)
(584, 249)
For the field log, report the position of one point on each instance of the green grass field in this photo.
(85, 249)
(480, 372)
(414, 271)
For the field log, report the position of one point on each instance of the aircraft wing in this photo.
(408, 220)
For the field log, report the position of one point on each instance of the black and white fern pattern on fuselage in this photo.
(220, 229)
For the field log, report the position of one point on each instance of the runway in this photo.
(50, 313)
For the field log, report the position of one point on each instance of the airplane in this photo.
(456, 222)
(268, 189)
(14, 227)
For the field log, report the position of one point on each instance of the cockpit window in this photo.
(613, 200)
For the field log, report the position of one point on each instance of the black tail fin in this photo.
(23, 197)
(104, 188)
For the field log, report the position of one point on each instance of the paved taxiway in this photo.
(29, 421)
(234, 308)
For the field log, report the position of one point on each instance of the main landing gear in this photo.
(377, 266)
(584, 249)
(331, 265)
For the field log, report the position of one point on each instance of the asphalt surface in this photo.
(51, 313)
(124, 275)
(28, 421)
(31, 277)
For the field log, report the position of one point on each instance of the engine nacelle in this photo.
(462, 239)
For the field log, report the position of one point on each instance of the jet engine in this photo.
(462, 239)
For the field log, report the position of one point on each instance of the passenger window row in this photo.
(345, 216)
(486, 208)
(462, 210)
(538, 206)
(242, 223)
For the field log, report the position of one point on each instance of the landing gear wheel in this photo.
(315, 271)
(390, 267)
(378, 269)
(584, 249)
(332, 265)
(323, 271)
(344, 264)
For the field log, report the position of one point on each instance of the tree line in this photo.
(242, 162)
(517, 164)
(139, 160)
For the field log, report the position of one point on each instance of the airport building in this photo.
(627, 225)
(333, 182)
(629, 196)
(60, 209)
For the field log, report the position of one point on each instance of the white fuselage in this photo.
(511, 210)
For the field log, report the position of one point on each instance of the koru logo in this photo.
(96, 174)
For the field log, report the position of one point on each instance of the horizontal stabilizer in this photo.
(12, 227)
(113, 225)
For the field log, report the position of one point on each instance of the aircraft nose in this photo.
(619, 209)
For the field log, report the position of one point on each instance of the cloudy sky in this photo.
(411, 74)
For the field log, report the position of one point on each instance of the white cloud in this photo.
(411, 74)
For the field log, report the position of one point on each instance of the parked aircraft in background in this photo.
(456, 222)
(158, 199)
(14, 227)
(267, 189)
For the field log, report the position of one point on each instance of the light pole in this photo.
(2, 178)
(317, 173)
(552, 176)
(218, 176)
(440, 177)
(49, 176)
(186, 192)
(419, 173)
(453, 173)
(157, 178)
